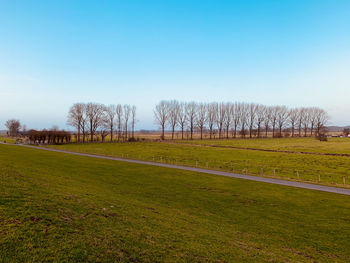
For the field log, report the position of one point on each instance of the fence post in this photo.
(344, 180)
(262, 171)
(207, 164)
(319, 178)
(298, 175)
(161, 160)
(274, 172)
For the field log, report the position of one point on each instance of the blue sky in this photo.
(55, 53)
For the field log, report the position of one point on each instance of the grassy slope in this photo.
(333, 145)
(57, 207)
(331, 168)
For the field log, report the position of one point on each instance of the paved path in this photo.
(323, 188)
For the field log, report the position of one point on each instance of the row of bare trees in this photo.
(95, 118)
(246, 119)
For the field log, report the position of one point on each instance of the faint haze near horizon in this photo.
(56, 53)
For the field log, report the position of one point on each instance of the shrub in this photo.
(322, 137)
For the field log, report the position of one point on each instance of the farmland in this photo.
(330, 170)
(333, 145)
(58, 207)
(7, 139)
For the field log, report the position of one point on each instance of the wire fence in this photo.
(248, 168)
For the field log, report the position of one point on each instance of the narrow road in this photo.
(323, 188)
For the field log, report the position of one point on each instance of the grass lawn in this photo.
(64, 208)
(331, 169)
(333, 145)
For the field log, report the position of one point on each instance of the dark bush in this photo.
(322, 137)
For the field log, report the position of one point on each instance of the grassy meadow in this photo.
(57, 207)
(331, 169)
(333, 145)
(7, 139)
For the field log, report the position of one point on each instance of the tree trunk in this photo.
(111, 133)
(91, 133)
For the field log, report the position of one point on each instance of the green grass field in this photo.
(7, 139)
(61, 208)
(331, 169)
(333, 145)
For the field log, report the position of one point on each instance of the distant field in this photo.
(331, 169)
(333, 145)
(64, 208)
(7, 139)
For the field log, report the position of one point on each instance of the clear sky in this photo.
(55, 53)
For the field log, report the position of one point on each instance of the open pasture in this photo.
(332, 170)
(64, 208)
(333, 145)
(7, 139)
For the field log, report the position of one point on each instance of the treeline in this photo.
(49, 136)
(92, 119)
(231, 119)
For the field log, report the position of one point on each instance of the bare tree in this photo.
(133, 120)
(274, 117)
(244, 118)
(301, 116)
(313, 112)
(211, 117)
(119, 112)
(228, 118)
(173, 108)
(24, 129)
(105, 125)
(84, 125)
(161, 116)
(191, 110)
(236, 116)
(260, 117)
(76, 117)
(220, 117)
(306, 121)
(267, 119)
(182, 118)
(13, 126)
(201, 117)
(252, 110)
(321, 119)
(293, 119)
(94, 112)
(282, 117)
(109, 119)
(127, 112)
